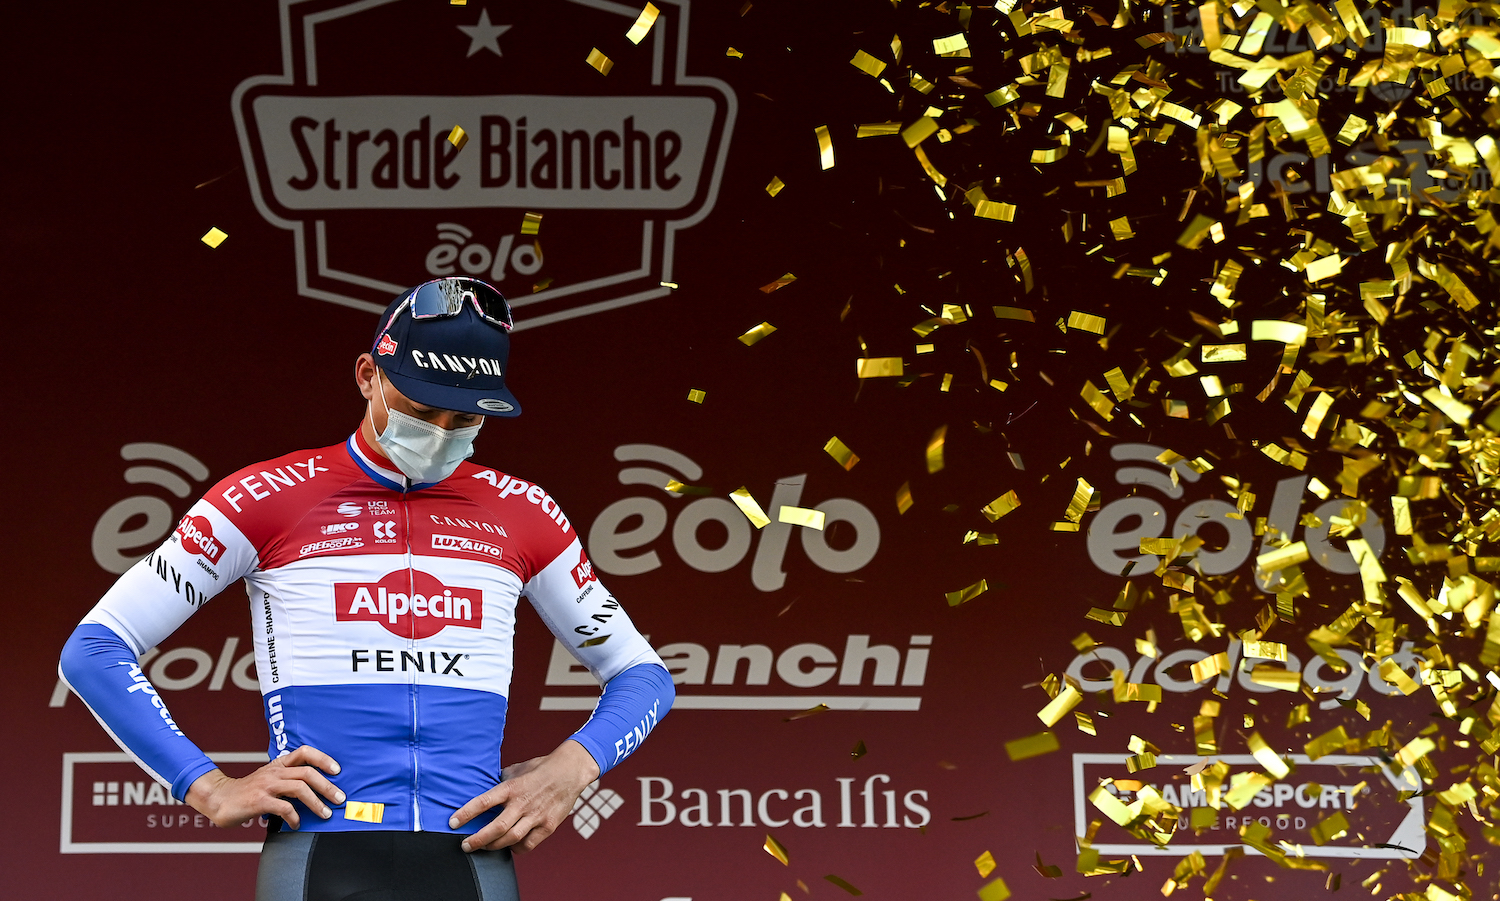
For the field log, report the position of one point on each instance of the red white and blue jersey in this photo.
(383, 619)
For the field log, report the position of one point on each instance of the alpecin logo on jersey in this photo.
(197, 536)
(364, 177)
(409, 604)
(583, 573)
(466, 546)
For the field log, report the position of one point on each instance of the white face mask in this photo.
(425, 452)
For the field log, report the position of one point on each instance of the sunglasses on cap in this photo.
(444, 297)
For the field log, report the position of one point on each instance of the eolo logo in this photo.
(360, 120)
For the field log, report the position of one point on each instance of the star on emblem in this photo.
(483, 35)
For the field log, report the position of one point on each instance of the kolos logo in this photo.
(197, 536)
(409, 604)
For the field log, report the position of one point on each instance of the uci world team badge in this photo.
(352, 149)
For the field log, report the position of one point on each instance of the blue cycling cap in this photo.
(446, 343)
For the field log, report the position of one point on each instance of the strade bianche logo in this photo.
(348, 148)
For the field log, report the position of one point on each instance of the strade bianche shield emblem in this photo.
(349, 149)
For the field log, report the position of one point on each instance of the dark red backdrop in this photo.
(122, 151)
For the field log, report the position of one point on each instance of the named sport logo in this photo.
(197, 536)
(409, 604)
(583, 573)
(466, 545)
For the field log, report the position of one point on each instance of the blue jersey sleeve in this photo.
(633, 703)
(102, 669)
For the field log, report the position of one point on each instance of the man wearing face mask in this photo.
(383, 576)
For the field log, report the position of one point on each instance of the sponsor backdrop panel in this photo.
(315, 134)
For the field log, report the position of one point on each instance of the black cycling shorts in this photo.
(381, 866)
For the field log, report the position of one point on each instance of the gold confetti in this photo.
(841, 453)
(748, 505)
(643, 24)
(919, 131)
(1001, 505)
(1329, 829)
(843, 885)
(775, 186)
(801, 516)
(531, 224)
(1031, 746)
(1400, 515)
(214, 237)
(950, 44)
(1014, 313)
(1059, 707)
(600, 62)
(1223, 353)
(734, 53)
(697, 395)
(1266, 757)
(804, 714)
(867, 64)
(966, 594)
(879, 367)
(780, 283)
(994, 891)
(1392, 672)
(1276, 677)
(903, 497)
(985, 864)
(1335, 739)
(1275, 330)
(1086, 322)
(458, 138)
(755, 334)
(1265, 650)
(877, 129)
(935, 449)
(776, 850)
(825, 147)
(1110, 806)
(859, 750)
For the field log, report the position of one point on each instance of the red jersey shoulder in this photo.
(266, 493)
(538, 516)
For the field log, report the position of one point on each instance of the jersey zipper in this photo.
(411, 687)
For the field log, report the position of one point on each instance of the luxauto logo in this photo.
(649, 148)
(466, 546)
(806, 674)
(620, 551)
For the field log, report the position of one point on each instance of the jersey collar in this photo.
(377, 467)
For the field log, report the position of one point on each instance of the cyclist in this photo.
(383, 576)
